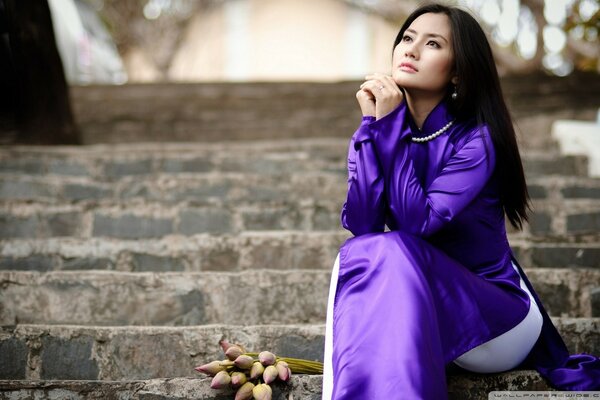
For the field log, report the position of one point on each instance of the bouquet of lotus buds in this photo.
(252, 373)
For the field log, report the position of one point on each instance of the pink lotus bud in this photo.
(224, 344)
(234, 352)
(256, 370)
(245, 391)
(283, 370)
(266, 358)
(244, 362)
(212, 368)
(221, 380)
(262, 392)
(270, 374)
(238, 379)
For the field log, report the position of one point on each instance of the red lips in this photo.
(409, 65)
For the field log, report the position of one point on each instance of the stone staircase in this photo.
(122, 266)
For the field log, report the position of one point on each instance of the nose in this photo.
(410, 51)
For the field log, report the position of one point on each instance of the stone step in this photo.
(563, 187)
(464, 386)
(234, 186)
(213, 188)
(201, 112)
(250, 297)
(194, 187)
(138, 218)
(129, 353)
(142, 219)
(279, 250)
(109, 163)
(461, 386)
(564, 217)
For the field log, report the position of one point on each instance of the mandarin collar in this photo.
(435, 120)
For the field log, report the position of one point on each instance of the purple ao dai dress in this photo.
(443, 280)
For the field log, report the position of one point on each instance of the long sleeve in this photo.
(364, 209)
(416, 209)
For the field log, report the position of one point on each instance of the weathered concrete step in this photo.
(138, 218)
(563, 253)
(464, 386)
(249, 297)
(113, 353)
(461, 386)
(331, 148)
(250, 250)
(141, 219)
(566, 187)
(195, 187)
(564, 217)
(280, 250)
(322, 147)
(117, 353)
(326, 185)
(115, 162)
(118, 298)
(236, 186)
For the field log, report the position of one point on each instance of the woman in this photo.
(436, 160)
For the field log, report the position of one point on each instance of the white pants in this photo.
(501, 353)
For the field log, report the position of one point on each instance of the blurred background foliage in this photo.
(556, 36)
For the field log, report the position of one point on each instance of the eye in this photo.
(406, 37)
(436, 45)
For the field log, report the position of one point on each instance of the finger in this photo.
(374, 87)
(375, 82)
(386, 80)
(366, 92)
(376, 76)
(391, 84)
(366, 82)
(371, 86)
(383, 82)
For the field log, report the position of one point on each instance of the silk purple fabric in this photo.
(440, 282)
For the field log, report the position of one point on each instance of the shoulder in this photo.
(474, 142)
(473, 134)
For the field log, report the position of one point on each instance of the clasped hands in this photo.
(378, 95)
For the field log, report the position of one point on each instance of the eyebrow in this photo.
(428, 34)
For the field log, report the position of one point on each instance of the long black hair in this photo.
(480, 95)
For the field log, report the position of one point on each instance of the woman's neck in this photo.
(420, 106)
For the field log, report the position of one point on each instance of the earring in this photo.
(454, 95)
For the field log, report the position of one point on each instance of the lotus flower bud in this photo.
(256, 370)
(226, 363)
(221, 380)
(234, 352)
(262, 392)
(238, 379)
(283, 370)
(244, 362)
(270, 374)
(245, 391)
(224, 344)
(266, 358)
(211, 368)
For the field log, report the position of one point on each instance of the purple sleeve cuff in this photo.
(386, 125)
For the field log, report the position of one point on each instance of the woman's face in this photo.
(427, 46)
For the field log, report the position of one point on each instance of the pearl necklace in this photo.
(434, 134)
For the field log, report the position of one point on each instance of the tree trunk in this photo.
(35, 95)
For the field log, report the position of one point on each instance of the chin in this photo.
(400, 80)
